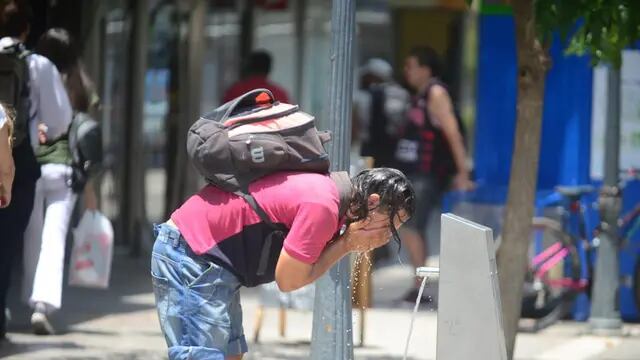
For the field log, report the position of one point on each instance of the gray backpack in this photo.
(85, 145)
(253, 136)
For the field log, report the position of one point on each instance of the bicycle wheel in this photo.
(553, 276)
(553, 272)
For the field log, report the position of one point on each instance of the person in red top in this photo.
(210, 247)
(256, 76)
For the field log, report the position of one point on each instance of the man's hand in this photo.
(461, 182)
(368, 234)
(42, 133)
(361, 236)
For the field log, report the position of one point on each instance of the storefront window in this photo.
(221, 57)
(274, 31)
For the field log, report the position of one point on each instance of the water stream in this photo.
(413, 317)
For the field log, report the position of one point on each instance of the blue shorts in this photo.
(428, 198)
(198, 301)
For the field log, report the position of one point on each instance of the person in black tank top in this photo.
(430, 150)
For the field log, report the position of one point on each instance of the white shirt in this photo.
(50, 103)
(3, 117)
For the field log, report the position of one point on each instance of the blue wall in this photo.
(565, 144)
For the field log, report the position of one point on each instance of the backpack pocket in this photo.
(306, 148)
(208, 147)
(258, 151)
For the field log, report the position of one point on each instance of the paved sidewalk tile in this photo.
(121, 323)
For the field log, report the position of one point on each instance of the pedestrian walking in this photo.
(46, 234)
(32, 86)
(256, 70)
(430, 150)
(380, 106)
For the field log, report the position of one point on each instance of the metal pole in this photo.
(182, 179)
(247, 19)
(300, 13)
(132, 210)
(605, 316)
(332, 336)
(195, 61)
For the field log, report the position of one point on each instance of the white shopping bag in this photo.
(90, 264)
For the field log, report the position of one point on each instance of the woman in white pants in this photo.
(45, 240)
(46, 233)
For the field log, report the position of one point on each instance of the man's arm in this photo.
(7, 168)
(362, 236)
(441, 109)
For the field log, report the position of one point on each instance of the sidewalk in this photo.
(121, 324)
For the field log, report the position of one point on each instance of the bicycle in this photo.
(562, 256)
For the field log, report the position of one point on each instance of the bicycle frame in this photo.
(630, 224)
(575, 224)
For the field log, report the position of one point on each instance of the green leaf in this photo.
(604, 27)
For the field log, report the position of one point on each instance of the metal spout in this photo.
(427, 271)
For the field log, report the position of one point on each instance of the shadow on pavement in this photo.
(300, 351)
(130, 291)
(12, 348)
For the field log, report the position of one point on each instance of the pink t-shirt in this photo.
(305, 203)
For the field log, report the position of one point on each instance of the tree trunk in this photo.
(512, 256)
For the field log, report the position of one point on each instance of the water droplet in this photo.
(413, 317)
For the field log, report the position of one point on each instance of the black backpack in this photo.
(252, 136)
(85, 145)
(14, 88)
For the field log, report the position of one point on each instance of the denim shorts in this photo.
(198, 301)
(428, 199)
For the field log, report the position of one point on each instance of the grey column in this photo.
(605, 316)
(332, 336)
(132, 204)
(194, 71)
(247, 19)
(299, 21)
(182, 178)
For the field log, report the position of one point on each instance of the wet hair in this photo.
(14, 17)
(395, 191)
(58, 46)
(258, 63)
(428, 57)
